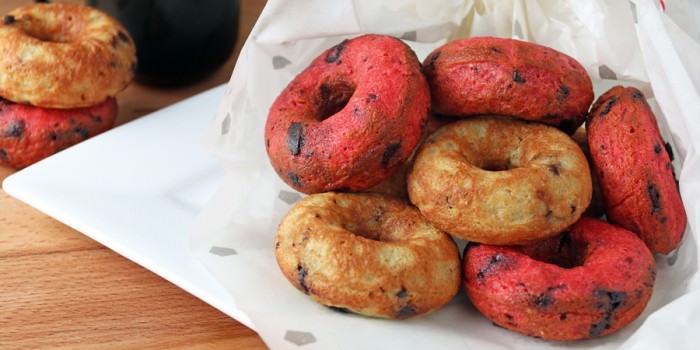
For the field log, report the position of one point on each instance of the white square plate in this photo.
(137, 189)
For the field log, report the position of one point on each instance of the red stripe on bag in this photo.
(663, 5)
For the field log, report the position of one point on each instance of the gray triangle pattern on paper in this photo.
(226, 124)
(289, 197)
(299, 338)
(279, 62)
(518, 30)
(606, 73)
(410, 36)
(633, 7)
(222, 251)
(673, 257)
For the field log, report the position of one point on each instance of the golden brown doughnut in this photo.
(500, 181)
(367, 253)
(63, 56)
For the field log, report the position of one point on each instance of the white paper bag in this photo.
(617, 41)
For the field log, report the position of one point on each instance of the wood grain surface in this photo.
(60, 289)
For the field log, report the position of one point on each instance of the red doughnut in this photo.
(585, 284)
(486, 75)
(634, 169)
(29, 134)
(351, 118)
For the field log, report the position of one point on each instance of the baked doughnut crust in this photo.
(634, 169)
(584, 284)
(500, 181)
(63, 56)
(487, 75)
(29, 134)
(368, 254)
(351, 118)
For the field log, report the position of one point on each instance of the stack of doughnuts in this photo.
(61, 66)
(474, 144)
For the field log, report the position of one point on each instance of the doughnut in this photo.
(585, 284)
(634, 168)
(500, 181)
(367, 254)
(63, 56)
(485, 75)
(29, 134)
(351, 118)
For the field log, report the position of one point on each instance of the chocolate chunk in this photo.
(378, 214)
(342, 310)
(97, 119)
(495, 261)
(3, 155)
(334, 54)
(53, 136)
(546, 299)
(301, 276)
(563, 92)
(371, 98)
(657, 148)
(82, 132)
(562, 316)
(548, 214)
(608, 106)
(609, 301)
(389, 152)
(16, 129)
(655, 197)
(637, 95)
(495, 49)
(554, 169)
(518, 78)
(8, 19)
(295, 138)
(573, 208)
(402, 293)
(296, 181)
(406, 312)
(669, 150)
(543, 300)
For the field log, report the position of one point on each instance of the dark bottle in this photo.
(177, 41)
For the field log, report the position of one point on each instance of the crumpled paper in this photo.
(618, 42)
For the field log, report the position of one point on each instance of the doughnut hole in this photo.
(564, 251)
(55, 29)
(332, 97)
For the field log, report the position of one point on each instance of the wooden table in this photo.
(59, 288)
